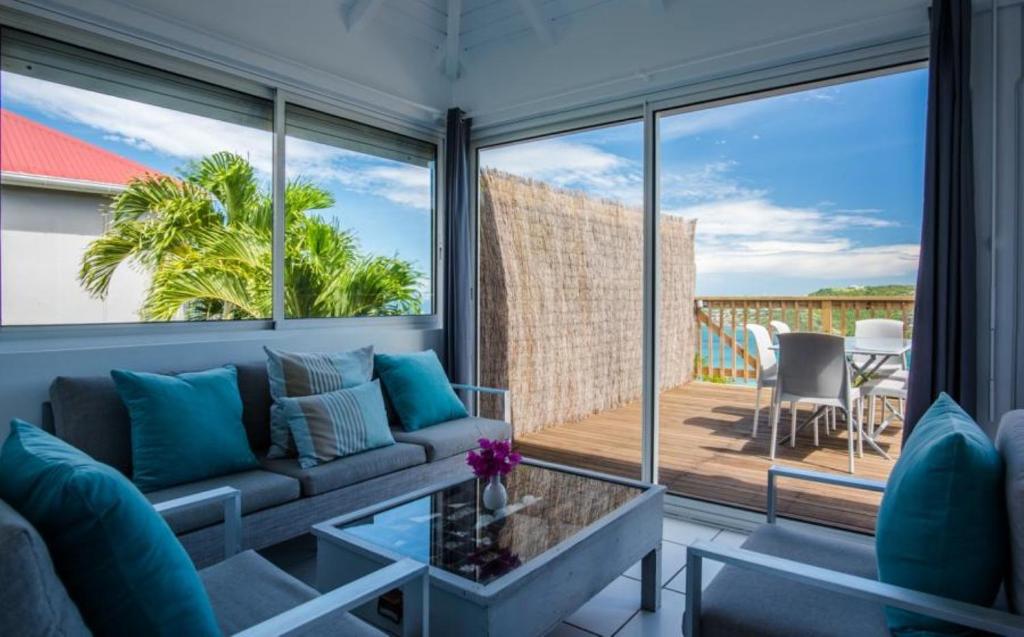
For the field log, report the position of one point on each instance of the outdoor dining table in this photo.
(866, 356)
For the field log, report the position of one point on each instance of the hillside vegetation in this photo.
(867, 290)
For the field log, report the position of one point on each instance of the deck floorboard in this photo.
(706, 452)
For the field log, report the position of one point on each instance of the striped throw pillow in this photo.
(338, 423)
(294, 374)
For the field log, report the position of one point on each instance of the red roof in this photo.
(31, 148)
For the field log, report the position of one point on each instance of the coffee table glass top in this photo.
(452, 530)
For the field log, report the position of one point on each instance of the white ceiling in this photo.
(497, 59)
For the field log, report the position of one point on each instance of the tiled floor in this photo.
(613, 611)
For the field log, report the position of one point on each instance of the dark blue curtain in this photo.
(460, 257)
(945, 324)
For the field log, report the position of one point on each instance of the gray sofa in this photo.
(786, 580)
(280, 500)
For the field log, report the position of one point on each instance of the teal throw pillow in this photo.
(307, 373)
(121, 564)
(942, 524)
(338, 423)
(418, 388)
(186, 427)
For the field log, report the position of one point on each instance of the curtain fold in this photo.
(943, 355)
(460, 256)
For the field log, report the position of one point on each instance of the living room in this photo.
(517, 317)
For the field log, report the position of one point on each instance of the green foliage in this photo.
(205, 240)
(867, 290)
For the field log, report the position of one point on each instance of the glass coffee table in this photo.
(564, 535)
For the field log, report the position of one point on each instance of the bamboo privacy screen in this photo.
(561, 300)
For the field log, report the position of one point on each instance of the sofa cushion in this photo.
(350, 469)
(942, 523)
(89, 414)
(34, 598)
(418, 389)
(455, 436)
(106, 540)
(1010, 443)
(305, 374)
(185, 427)
(336, 424)
(247, 589)
(260, 490)
(739, 602)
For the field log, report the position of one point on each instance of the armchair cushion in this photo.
(247, 589)
(107, 542)
(942, 523)
(739, 602)
(455, 436)
(1010, 442)
(348, 470)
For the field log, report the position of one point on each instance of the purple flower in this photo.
(495, 458)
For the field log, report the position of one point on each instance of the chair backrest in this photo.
(813, 366)
(765, 353)
(779, 327)
(879, 328)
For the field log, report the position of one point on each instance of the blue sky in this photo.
(386, 203)
(791, 193)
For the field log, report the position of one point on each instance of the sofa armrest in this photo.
(409, 575)
(972, 615)
(232, 499)
(775, 472)
(506, 397)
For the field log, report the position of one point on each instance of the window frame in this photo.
(119, 54)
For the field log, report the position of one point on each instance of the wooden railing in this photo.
(724, 351)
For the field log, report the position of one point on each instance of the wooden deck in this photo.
(707, 453)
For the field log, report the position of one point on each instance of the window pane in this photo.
(359, 221)
(806, 209)
(128, 194)
(561, 293)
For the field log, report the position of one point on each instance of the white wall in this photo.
(43, 235)
(1003, 388)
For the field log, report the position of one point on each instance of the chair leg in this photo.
(849, 437)
(757, 411)
(860, 429)
(773, 417)
(871, 416)
(792, 426)
(816, 432)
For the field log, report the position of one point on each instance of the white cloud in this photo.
(185, 136)
(568, 164)
(703, 182)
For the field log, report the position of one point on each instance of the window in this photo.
(129, 194)
(133, 195)
(359, 219)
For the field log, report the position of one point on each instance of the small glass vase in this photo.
(495, 495)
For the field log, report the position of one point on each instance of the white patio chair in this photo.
(893, 386)
(767, 368)
(813, 369)
(880, 328)
(779, 327)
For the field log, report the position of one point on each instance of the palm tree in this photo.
(205, 240)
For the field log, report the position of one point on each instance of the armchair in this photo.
(253, 598)
(810, 583)
(506, 397)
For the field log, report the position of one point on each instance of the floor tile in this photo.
(610, 609)
(568, 630)
(731, 538)
(711, 568)
(685, 532)
(667, 621)
(673, 559)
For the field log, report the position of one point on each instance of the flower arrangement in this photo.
(495, 458)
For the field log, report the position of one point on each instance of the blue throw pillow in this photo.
(186, 427)
(337, 424)
(307, 373)
(119, 560)
(942, 524)
(418, 389)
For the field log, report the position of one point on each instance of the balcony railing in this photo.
(725, 350)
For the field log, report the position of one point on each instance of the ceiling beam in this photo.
(358, 13)
(451, 45)
(538, 23)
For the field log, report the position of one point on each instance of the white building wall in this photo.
(43, 235)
